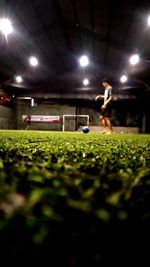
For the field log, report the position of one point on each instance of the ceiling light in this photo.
(6, 26)
(33, 61)
(134, 59)
(18, 79)
(123, 78)
(84, 61)
(85, 82)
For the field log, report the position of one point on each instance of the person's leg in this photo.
(103, 122)
(108, 124)
(28, 126)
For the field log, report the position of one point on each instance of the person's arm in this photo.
(98, 97)
(106, 102)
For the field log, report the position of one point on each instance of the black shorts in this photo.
(106, 112)
(28, 122)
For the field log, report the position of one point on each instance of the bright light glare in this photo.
(18, 79)
(32, 102)
(124, 78)
(84, 61)
(33, 61)
(134, 59)
(148, 20)
(85, 82)
(6, 26)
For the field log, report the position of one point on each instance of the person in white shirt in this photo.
(106, 107)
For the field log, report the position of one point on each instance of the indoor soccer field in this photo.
(75, 133)
(71, 186)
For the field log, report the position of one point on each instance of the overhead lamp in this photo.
(123, 78)
(85, 82)
(33, 61)
(134, 59)
(18, 79)
(6, 26)
(84, 61)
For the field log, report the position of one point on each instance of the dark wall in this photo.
(145, 102)
(125, 113)
(7, 117)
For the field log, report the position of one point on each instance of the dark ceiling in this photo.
(58, 32)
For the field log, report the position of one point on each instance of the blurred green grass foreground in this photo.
(74, 199)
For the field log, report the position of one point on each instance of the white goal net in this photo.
(74, 122)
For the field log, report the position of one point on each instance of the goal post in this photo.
(74, 116)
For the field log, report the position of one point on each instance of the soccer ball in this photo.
(85, 129)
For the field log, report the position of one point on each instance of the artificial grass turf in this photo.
(74, 187)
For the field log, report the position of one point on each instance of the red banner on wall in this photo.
(40, 118)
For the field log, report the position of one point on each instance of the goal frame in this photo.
(74, 116)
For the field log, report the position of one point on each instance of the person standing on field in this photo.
(28, 121)
(106, 107)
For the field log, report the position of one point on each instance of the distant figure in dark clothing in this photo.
(28, 120)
